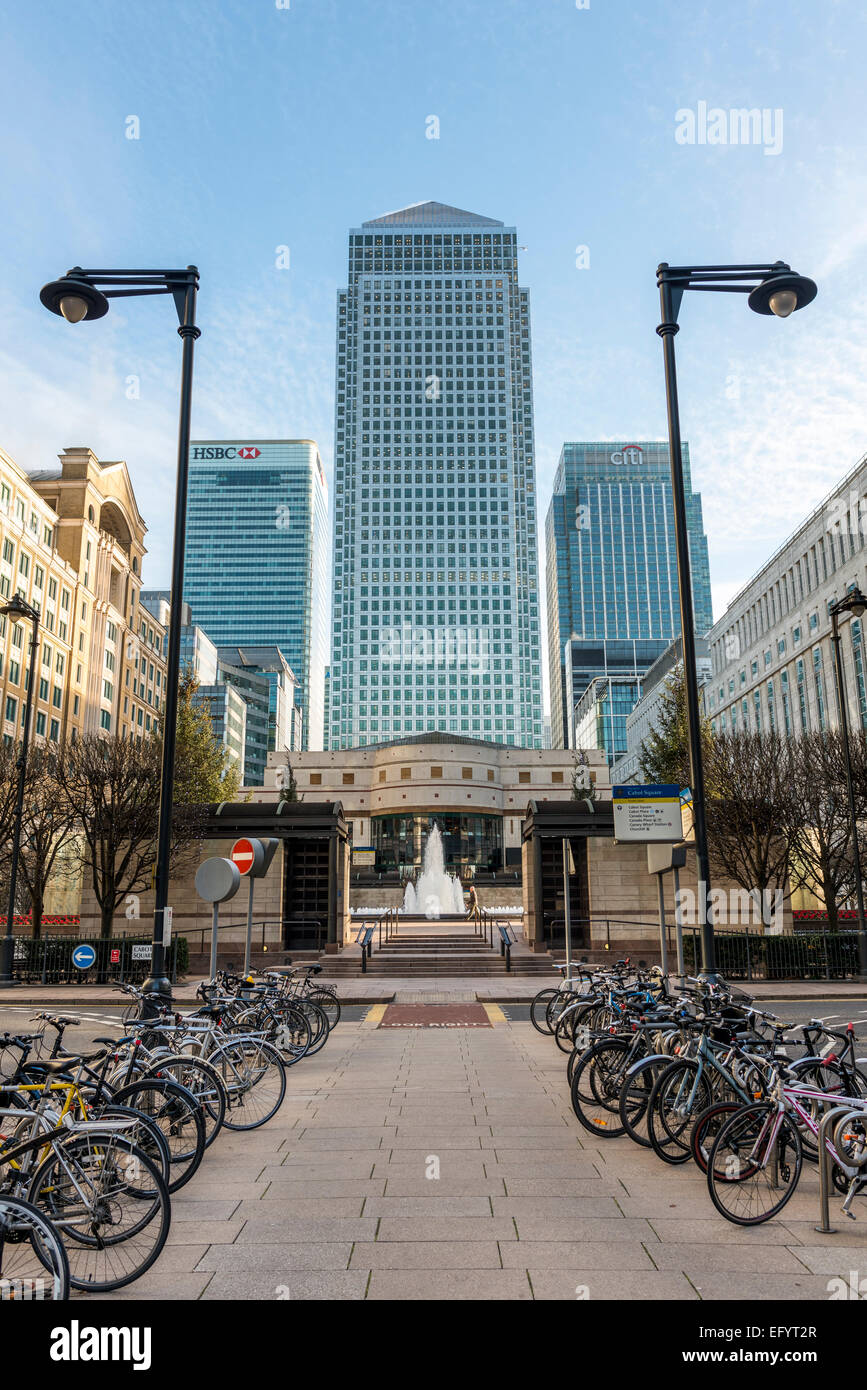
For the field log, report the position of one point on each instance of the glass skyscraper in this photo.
(436, 603)
(256, 560)
(613, 604)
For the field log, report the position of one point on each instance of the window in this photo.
(316, 779)
(436, 772)
(105, 719)
(405, 774)
(382, 775)
(467, 773)
(40, 724)
(348, 779)
(523, 777)
(556, 777)
(490, 774)
(11, 708)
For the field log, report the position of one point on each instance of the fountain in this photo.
(435, 891)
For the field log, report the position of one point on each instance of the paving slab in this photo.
(449, 1285)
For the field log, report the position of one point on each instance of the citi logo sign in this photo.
(247, 451)
(629, 454)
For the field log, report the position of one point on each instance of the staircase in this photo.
(424, 954)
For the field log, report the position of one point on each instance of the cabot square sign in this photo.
(647, 813)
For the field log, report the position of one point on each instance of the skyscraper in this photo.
(612, 590)
(436, 604)
(256, 564)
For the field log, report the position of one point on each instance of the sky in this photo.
(262, 130)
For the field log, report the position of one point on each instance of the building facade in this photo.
(256, 563)
(611, 577)
(72, 545)
(436, 604)
(475, 790)
(771, 651)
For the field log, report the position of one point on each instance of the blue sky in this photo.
(263, 127)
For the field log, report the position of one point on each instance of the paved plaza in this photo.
(446, 1163)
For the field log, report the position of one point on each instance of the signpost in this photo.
(83, 956)
(568, 868)
(217, 880)
(363, 857)
(660, 860)
(253, 859)
(647, 814)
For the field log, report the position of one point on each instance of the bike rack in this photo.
(838, 1112)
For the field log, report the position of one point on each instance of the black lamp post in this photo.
(772, 289)
(84, 294)
(18, 609)
(855, 603)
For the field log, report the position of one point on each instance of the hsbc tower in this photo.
(256, 556)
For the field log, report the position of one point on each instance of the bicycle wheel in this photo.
(635, 1096)
(328, 1002)
(30, 1248)
(680, 1093)
(254, 1077)
(705, 1130)
(539, 1010)
(318, 1024)
(755, 1164)
(177, 1117)
(596, 1083)
(147, 1135)
(202, 1080)
(110, 1205)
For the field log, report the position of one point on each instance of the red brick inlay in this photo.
(435, 1016)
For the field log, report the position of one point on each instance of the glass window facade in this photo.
(471, 838)
(436, 604)
(612, 568)
(256, 562)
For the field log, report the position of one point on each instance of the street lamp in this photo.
(773, 289)
(855, 603)
(17, 609)
(83, 295)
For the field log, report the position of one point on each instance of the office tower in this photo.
(436, 605)
(256, 566)
(613, 604)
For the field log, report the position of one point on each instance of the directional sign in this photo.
(647, 813)
(245, 854)
(83, 957)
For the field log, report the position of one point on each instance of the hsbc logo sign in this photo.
(246, 451)
(630, 454)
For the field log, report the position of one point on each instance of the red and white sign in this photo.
(115, 955)
(243, 855)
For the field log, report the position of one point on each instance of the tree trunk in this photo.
(829, 893)
(36, 907)
(106, 921)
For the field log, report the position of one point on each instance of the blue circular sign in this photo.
(83, 957)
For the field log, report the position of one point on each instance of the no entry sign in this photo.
(244, 854)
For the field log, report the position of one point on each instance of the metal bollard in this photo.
(836, 1113)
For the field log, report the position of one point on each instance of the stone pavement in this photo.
(447, 1164)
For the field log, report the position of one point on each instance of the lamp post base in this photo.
(156, 984)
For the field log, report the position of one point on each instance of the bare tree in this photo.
(46, 827)
(819, 824)
(749, 814)
(111, 788)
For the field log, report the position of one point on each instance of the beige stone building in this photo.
(72, 544)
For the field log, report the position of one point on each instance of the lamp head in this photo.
(74, 298)
(17, 608)
(782, 293)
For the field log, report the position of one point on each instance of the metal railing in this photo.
(307, 928)
(743, 954)
(47, 960)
